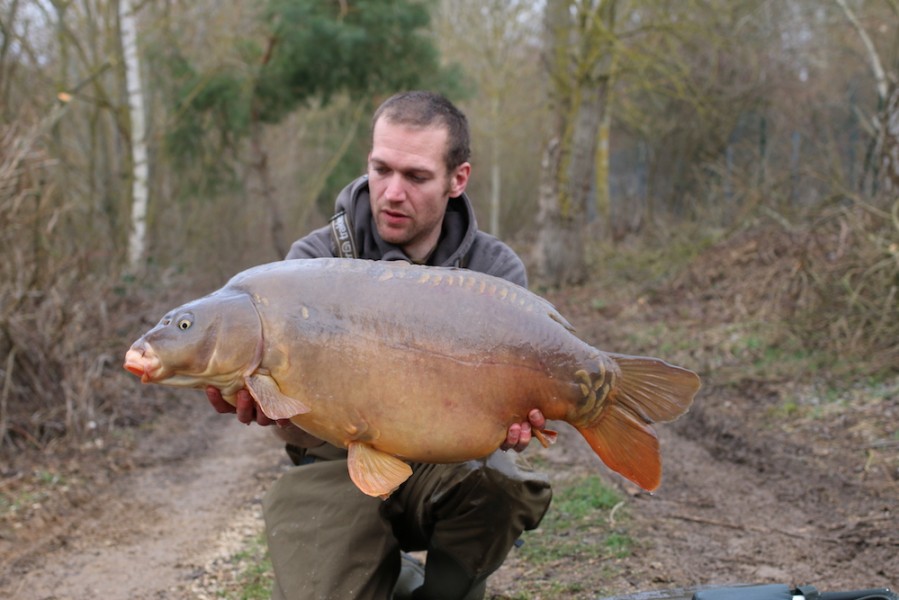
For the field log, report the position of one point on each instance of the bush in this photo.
(851, 268)
(63, 318)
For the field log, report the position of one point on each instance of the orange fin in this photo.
(648, 390)
(628, 446)
(546, 437)
(374, 472)
(274, 404)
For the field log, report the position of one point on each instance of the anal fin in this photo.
(374, 472)
(274, 404)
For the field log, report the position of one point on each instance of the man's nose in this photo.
(395, 189)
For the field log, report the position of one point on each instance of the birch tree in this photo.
(139, 158)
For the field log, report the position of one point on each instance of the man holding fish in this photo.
(326, 538)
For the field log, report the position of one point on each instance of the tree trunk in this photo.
(259, 164)
(601, 189)
(559, 249)
(578, 94)
(139, 158)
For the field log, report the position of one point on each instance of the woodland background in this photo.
(152, 149)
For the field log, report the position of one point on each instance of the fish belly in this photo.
(420, 406)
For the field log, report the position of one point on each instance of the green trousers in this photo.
(329, 541)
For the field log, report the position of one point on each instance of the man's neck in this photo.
(421, 250)
(420, 253)
(420, 257)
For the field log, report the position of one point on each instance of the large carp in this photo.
(400, 363)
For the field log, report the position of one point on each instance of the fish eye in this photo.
(184, 324)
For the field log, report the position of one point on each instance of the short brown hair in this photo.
(421, 109)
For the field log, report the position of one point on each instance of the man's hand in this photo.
(519, 435)
(246, 409)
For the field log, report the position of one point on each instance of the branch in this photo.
(879, 74)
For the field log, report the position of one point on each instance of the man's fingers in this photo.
(536, 418)
(246, 407)
(525, 438)
(518, 437)
(218, 403)
(512, 437)
(521, 434)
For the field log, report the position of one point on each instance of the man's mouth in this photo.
(394, 217)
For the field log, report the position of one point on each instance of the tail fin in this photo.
(649, 390)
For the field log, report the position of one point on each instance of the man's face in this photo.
(410, 186)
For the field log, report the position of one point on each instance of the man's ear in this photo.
(459, 179)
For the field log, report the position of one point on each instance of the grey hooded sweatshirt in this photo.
(461, 244)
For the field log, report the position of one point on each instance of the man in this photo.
(328, 540)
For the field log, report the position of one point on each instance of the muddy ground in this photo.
(776, 479)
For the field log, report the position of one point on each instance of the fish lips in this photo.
(142, 361)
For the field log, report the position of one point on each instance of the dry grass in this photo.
(63, 318)
(851, 271)
(830, 284)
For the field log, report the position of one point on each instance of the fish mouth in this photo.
(142, 361)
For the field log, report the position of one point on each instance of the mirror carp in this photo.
(399, 363)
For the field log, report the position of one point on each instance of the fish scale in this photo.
(595, 388)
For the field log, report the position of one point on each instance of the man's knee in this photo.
(483, 508)
(326, 539)
(512, 495)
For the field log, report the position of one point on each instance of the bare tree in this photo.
(578, 57)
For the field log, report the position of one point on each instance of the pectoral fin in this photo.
(374, 472)
(273, 403)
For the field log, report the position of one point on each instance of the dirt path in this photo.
(147, 534)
